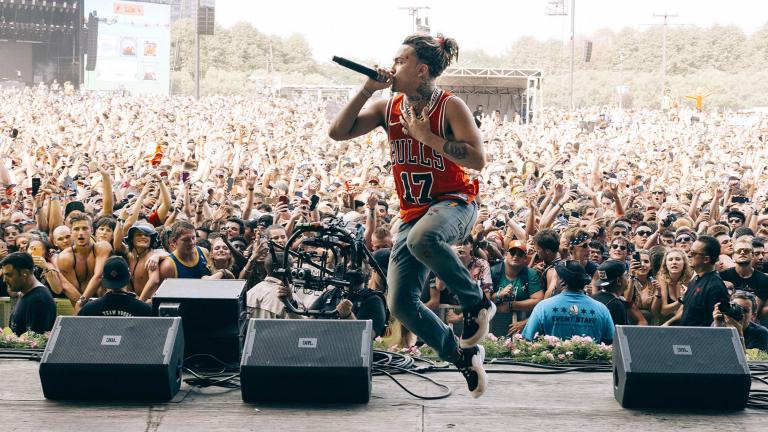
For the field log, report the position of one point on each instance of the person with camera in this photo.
(740, 313)
(705, 290)
(356, 302)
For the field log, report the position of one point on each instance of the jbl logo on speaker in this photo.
(110, 340)
(682, 349)
(307, 342)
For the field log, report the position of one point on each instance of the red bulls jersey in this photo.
(423, 175)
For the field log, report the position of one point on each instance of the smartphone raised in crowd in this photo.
(35, 185)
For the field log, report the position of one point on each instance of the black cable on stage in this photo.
(228, 376)
(389, 364)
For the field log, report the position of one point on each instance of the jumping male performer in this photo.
(432, 137)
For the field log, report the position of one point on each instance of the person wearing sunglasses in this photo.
(684, 238)
(579, 250)
(619, 248)
(642, 233)
(516, 287)
(736, 219)
(705, 290)
(744, 277)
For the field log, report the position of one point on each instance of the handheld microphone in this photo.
(357, 67)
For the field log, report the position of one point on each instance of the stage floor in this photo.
(569, 402)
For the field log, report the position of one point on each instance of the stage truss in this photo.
(519, 82)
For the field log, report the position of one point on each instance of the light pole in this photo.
(573, 46)
(663, 52)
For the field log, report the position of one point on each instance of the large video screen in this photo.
(134, 47)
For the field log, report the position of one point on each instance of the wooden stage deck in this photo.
(567, 402)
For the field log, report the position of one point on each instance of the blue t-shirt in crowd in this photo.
(570, 314)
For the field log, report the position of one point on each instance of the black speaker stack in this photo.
(113, 358)
(91, 41)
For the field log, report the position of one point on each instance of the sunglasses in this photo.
(734, 220)
(683, 239)
(516, 252)
(744, 251)
(725, 241)
(583, 245)
(643, 233)
(657, 193)
(618, 246)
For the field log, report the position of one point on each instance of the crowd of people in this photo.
(659, 217)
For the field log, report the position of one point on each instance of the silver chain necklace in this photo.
(406, 107)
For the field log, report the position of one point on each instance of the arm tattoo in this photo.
(456, 149)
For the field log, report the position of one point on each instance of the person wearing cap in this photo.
(572, 312)
(141, 247)
(118, 301)
(611, 284)
(516, 287)
(684, 238)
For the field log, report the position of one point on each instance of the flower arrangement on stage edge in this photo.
(542, 350)
(28, 340)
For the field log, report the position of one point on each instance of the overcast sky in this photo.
(374, 29)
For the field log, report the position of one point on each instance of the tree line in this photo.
(720, 59)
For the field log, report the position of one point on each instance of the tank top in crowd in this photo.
(423, 175)
(196, 271)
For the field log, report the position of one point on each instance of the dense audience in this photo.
(659, 216)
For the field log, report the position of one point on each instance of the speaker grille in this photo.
(307, 343)
(111, 340)
(697, 350)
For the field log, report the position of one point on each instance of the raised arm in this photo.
(351, 122)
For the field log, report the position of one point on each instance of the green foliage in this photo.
(719, 58)
(543, 350)
(757, 355)
(29, 340)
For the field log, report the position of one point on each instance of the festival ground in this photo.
(573, 401)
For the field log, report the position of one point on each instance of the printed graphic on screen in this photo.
(133, 47)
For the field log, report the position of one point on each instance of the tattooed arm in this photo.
(464, 145)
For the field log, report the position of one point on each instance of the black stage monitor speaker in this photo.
(307, 361)
(679, 367)
(113, 358)
(213, 314)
